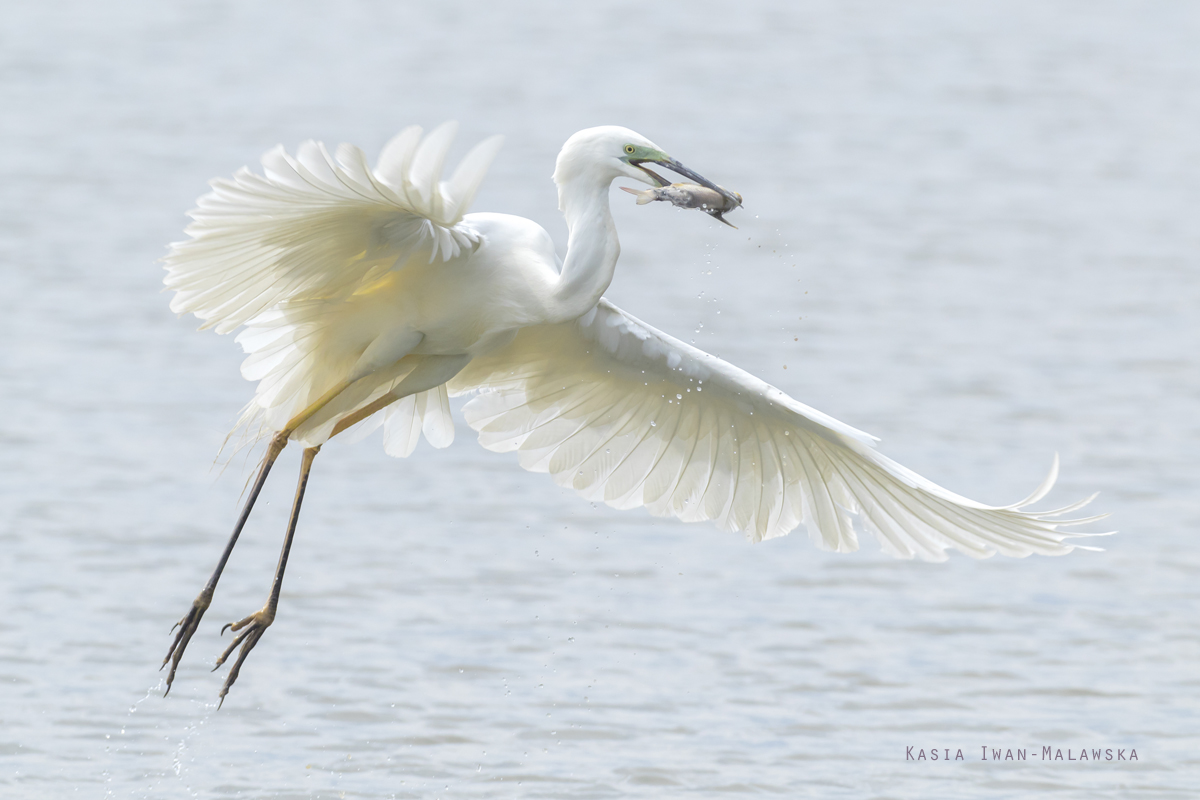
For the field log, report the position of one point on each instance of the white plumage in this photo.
(368, 297)
(315, 227)
(322, 259)
(627, 415)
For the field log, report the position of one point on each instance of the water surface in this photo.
(969, 230)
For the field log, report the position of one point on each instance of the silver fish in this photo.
(689, 195)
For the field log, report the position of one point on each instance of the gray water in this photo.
(970, 229)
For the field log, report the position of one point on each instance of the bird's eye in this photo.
(629, 149)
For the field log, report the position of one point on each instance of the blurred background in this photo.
(969, 229)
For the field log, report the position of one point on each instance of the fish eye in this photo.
(629, 149)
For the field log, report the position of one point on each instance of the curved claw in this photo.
(255, 626)
(187, 626)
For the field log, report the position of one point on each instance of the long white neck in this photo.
(592, 246)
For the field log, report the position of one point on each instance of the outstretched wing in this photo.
(626, 414)
(314, 227)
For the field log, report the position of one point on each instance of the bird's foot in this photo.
(187, 626)
(251, 630)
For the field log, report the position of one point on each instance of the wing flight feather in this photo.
(623, 413)
(317, 227)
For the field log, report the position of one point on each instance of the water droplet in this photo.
(653, 424)
(678, 397)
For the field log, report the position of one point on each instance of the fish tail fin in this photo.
(643, 195)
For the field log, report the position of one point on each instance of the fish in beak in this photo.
(712, 201)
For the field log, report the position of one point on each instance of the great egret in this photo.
(369, 296)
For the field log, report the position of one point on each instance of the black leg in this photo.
(254, 626)
(187, 626)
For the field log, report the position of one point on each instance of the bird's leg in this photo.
(431, 371)
(187, 626)
(322, 401)
(251, 629)
(364, 412)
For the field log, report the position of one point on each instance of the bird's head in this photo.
(608, 152)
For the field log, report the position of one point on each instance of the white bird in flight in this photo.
(368, 297)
